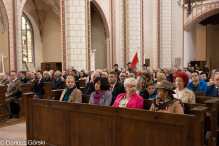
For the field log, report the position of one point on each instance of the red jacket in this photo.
(136, 101)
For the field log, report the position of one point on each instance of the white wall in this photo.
(177, 32)
(98, 42)
(52, 38)
(189, 46)
(148, 30)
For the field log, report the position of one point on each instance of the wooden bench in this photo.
(3, 118)
(111, 126)
(199, 93)
(210, 118)
(47, 90)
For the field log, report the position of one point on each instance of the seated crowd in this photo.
(168, 88)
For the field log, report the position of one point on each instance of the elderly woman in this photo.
(101, 95)
(181, 81)
(104, 75)
(71, 93)
(164, 101)
(141, 87)
(129, 99)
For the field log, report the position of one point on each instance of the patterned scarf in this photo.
(159, 104)
(97, 97)
(67, 93)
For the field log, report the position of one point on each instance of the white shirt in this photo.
(14, 80)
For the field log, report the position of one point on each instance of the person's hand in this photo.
(6, 95)
(34, 96)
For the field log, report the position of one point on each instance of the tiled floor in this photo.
(12, 133)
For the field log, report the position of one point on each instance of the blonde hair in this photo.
(130, 82)
(140, 79)
(161, 76)
(70, 77)
(131, 75)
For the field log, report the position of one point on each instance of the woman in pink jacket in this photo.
(130, 99)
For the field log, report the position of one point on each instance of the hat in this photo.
(129, 63)
(144, 65)
(115, 65)
(165, 85)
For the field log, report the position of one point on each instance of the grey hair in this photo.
(58, 74)
(94, 74)
(130, 82)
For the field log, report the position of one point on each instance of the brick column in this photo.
(63, 32)
(155, 33)
(165, 34)
(133, 29)
(76, 33)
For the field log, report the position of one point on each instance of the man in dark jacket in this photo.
(89, 88)
(23, 78)
(206, 70)
(130, 70)
(115, 66)
(39, 84)
(213, 90)
(115, 88)
(57, 82)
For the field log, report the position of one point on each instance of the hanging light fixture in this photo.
(189, 4)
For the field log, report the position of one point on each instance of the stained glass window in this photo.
(27, 40)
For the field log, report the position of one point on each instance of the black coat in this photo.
(118, 89)
(57, 84)
(89, 88)
(24, 80)
(48, 80)
(144, 94)
(38, 89)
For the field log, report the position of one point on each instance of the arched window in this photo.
(27, 40)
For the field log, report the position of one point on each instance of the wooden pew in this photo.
(210, 118)
(25, 88)
(47, 90)
(199, 93)
(81, 85)
(3, 118)
(111, 126)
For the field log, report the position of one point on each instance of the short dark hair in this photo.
(40, 72)
(113, 72)
(150, 84)
(23, 72)
(203, 73)
(14, 72)
(103, 83)
(195, 72)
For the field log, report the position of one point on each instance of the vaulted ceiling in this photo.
(38, 10)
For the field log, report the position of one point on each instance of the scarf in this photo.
(67, 93)
(97, 97)
(159, 104)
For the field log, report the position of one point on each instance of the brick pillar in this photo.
(76, 33)
(133, 29)
(155, 33)
(165, 34)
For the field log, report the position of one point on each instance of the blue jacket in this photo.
(152, 96)
(211, 91)
(201, 86)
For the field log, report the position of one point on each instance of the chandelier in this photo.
(189, 4)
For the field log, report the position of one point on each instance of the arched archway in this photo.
(100, 30)
(199, 32)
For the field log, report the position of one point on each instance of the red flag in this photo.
(135, 64)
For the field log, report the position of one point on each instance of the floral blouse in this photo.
(123, 102)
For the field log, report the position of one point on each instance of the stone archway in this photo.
(200, 13)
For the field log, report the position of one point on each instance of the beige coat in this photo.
(174, 108)
(186, 95)
(75, 96)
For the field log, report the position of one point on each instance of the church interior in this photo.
(109, 72)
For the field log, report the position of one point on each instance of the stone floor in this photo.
(13, 133)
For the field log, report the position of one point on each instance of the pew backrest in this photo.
(199, 93)
(111, 126)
